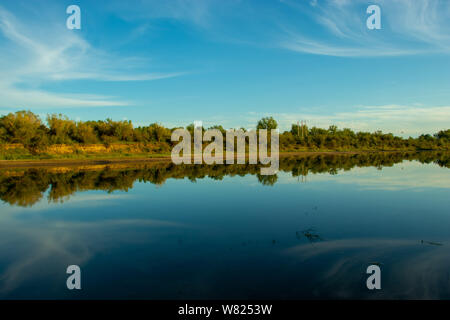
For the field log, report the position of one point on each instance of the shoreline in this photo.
(163, 158)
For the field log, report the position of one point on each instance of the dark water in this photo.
(161, 231)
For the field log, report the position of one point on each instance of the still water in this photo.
(160, 231)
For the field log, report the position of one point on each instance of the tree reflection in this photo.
(25, 187)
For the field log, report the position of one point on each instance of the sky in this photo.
(230, 62)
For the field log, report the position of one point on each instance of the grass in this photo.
(77, 156)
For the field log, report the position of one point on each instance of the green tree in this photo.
(61, 128)
(84, 133)
(26, 128)
(268, 123)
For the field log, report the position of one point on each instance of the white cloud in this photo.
(29, 59)
(397, 119)
(198, 12)
(408, 27)
(301, 44)
(39, 99)
(114, 77)
(326, 27)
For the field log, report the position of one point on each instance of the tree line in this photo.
(26, 128)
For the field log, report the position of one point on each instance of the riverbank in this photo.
(138, 159)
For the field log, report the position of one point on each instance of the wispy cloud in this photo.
(30, 59)
(115, 77)
(398, 119)
(321, 27)
(408, 27)
(199, 12)
(402, 120)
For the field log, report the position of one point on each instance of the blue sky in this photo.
(230, 62)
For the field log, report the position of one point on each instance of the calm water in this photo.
(158, 231)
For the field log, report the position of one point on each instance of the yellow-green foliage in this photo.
(64, 136)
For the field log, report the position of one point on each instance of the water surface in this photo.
(160, 231)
